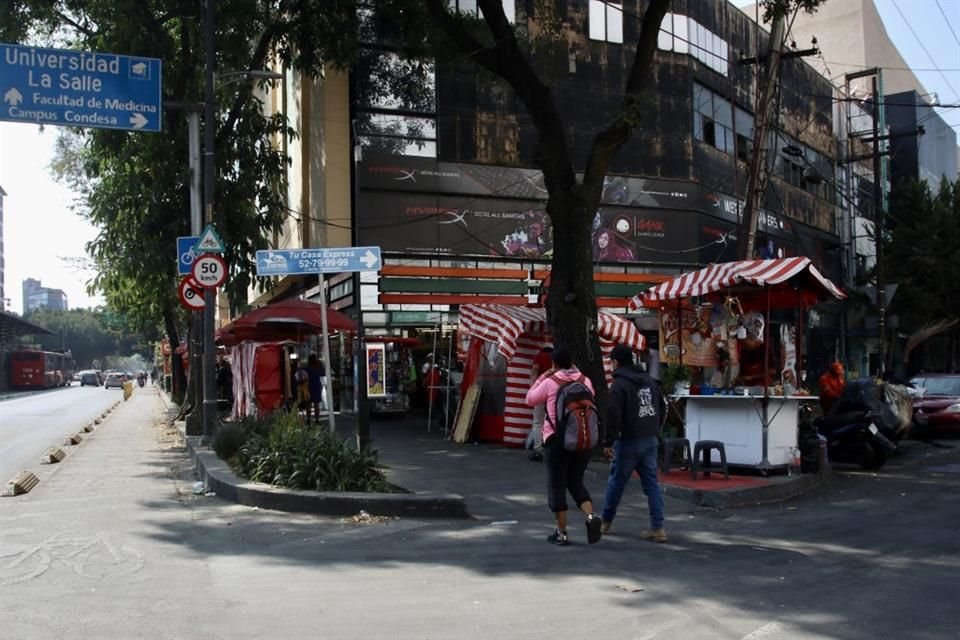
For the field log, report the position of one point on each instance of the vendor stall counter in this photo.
(737, 421)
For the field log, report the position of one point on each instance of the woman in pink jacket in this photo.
(565, 469)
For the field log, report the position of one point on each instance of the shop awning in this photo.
(283, 320)
(792, 278)
(503, 324)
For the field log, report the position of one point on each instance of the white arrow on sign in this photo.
(137, 120)
(13, 97)
(369, 259)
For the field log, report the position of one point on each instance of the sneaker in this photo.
(559, 538)
(654, 535)
(594, 528)
(605, 527)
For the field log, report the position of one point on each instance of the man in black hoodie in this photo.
(635, 413)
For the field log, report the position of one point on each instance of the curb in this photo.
(726, 498)
(220, 479)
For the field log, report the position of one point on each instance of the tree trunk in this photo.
(173, 336)
(571, 302)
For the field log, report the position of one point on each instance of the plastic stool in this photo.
(704, 465)
(667, 463)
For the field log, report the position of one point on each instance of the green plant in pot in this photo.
(674, 376)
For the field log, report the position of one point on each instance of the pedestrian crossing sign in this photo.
(209, 241)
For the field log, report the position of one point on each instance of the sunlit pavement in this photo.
(115, 545)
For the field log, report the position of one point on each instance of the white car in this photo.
(113, 380)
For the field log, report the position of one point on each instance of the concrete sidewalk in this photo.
(486, 481)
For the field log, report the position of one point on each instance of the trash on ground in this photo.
(198, 487)
(630, 587)
(502, 523)
(365, 518)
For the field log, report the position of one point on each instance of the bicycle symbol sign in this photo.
(186, 254)
(209, 270)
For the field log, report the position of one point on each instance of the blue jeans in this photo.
(638, 454)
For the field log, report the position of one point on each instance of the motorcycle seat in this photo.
(844, 419)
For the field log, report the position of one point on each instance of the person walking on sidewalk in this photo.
(541, 362)
(635, 413)
(565, 468)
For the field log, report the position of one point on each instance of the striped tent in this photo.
(789, 281)
(504, 324)
(520, 333)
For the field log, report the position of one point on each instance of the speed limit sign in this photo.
(209, 270)
(191, 294)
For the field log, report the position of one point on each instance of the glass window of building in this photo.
(606, 21)
(681, 34)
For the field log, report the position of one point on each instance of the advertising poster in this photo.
(689, 330)
(376, 370)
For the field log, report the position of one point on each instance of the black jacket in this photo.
(636, 407)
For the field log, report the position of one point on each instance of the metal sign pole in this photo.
(327, 377)
(447, 388)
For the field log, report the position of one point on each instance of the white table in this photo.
(738, 422)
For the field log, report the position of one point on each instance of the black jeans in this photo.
(565, 471)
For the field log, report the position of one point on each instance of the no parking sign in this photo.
(191, 294)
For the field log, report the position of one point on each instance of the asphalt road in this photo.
(31, 424)
(115, 545)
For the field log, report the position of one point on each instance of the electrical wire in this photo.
(946, 20)
(922, 46)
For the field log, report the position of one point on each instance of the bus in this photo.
(33, 369)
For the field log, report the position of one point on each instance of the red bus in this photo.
(31, 369)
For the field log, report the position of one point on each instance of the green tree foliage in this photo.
(135, 186)
(93, 336)
(922, 252)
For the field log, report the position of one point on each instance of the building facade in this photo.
(446, 183)
(36, 296)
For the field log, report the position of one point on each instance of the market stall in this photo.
(498, 344)
(718, 320)
(262, 358)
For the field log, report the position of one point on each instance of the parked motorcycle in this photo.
(861, 428)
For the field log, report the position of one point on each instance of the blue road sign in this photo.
(79, 88)
(336, 260)
(186, 254)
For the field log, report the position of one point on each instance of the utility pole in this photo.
(758, 172)
(879, 220)
(209, 169)
(756, 178)
(362, 402)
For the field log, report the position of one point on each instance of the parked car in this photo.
(938, 409)
(89, 378)
(113, 380)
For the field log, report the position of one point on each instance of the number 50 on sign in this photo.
(209, 270)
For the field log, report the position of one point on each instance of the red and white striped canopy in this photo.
(503, 324)
(759, 273)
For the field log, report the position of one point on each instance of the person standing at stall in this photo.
(636, 410)
(541, 362)
(565, 468)
(315, 373)
(832, 383)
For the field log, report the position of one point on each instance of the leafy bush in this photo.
(228, 440)
(298, 456)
